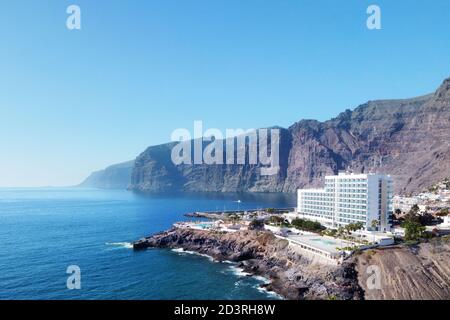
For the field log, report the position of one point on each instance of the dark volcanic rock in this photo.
(409, 139)
(261, 253)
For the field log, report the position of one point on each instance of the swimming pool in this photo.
(326, 242)
(204, 225)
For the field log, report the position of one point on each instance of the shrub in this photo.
(411, 243)
(307, 225)
(426, 219)
(276, 220)
(413, 230)
(256, 224)
(443, 212)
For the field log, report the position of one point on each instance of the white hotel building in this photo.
(349, 198)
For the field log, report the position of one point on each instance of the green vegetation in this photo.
(374, 224)
(307, 225)
(256, 224)
(414, 225)
(414, 209)
(270, 210)
(411, 242)
(437, 187)
(352, 248)
(234, 218)
(345, 233)
(276, 220)
(370, 252)
(443, 212)
(351, 227)
(329, 232)
(426, 219)
(413, 230)
(413, 214)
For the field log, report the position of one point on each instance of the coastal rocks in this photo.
(415, 272)
(260, 253)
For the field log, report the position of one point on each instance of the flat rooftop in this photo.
(326, 244)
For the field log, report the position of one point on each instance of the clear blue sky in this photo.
(76, 101)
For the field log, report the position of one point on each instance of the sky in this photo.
(75, 101)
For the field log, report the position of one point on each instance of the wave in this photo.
(181, 251)
(272, 294)
(262, 279)
(238, 271)
(126, 245)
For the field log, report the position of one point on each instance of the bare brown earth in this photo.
(413, 273)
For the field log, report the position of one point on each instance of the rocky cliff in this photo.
(419, 272)
(117, 176)
(409, 139)
(292, 275)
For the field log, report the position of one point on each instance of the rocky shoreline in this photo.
(418, 272)
(260, 253)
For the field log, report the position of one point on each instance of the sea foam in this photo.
(126, 245)
(181, 251)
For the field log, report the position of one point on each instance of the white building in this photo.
(446, 223)
(404, 204)
(349, 198)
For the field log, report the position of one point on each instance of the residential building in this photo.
(349, 198)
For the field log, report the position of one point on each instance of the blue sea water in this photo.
(43, 231)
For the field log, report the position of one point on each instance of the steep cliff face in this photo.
(409, 139)
(117, 176)
(155, 171)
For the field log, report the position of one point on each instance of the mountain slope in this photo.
(408, 138)
(117, 176)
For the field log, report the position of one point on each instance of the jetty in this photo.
(220, 214)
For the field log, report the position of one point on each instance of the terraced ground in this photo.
(420, 273)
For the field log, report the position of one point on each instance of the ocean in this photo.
(45, 230)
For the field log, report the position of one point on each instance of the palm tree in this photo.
(234, 218)
(374, 224)
(355, 227)
(276, 220)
